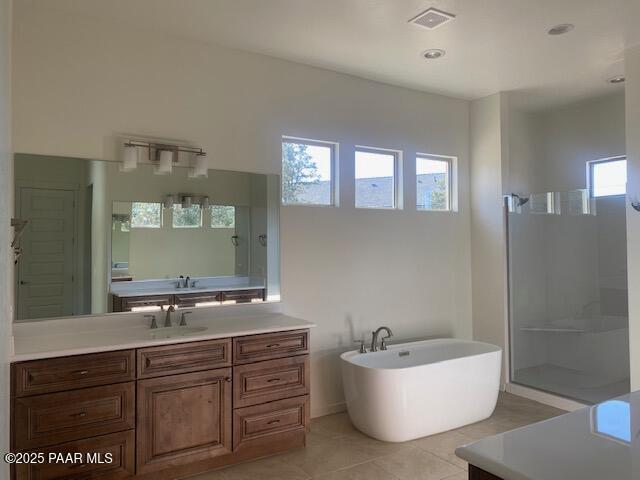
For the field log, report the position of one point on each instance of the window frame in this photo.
(397, 176)
(211, 210)
(333, 170)
(451, 181)
(148, 227)
(186, 227)
(590, 175)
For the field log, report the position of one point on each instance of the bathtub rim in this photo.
(346, 356)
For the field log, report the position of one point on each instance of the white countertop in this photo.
(177, 291)
(59, 338)
(139, 288)
(594, 443)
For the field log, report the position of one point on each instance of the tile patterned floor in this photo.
(337, 451)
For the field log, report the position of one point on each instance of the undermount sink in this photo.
(173, 332)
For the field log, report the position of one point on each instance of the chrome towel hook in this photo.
(262, 239)
(235, 241)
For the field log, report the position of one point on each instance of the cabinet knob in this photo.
(227, 379)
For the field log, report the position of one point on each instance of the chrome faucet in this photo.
(167, 319)
(154, 324)
(183, 319)
(374, 339)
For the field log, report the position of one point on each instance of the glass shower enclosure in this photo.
(568, 304)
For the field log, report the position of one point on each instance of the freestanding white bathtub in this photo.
(421, 388)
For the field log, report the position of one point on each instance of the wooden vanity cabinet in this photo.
(163, 412)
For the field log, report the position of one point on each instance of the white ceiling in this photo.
(492, 45)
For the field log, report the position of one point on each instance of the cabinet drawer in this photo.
(262, 382)
(184, 358)
(190, 299)
(68, 373)
(60, 417)
(121, 447)
(264, 423)
(242, 296)
(129, 303)
(254, 348)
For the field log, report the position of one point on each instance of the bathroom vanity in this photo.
(236, 389)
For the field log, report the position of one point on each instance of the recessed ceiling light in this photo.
(433, 53)
(617, 79)
(561, 29)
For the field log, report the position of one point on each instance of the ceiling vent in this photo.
(432, 18)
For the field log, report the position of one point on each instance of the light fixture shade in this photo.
(200, 166)
(165, 163)
(129, 158)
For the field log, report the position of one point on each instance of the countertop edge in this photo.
(487, 465)
(153, 343)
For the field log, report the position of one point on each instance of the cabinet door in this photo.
(183, 419)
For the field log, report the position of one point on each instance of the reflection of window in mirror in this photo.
(189, 217)
(223, 216)
(146, 215)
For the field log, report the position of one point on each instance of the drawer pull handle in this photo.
(80, 415)
(273, 422)
(81, 372)
(273, 380)
(227, 379)
(273, 345)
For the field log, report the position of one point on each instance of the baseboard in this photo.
(327, 409)
(544, 397)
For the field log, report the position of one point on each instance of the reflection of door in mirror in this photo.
(46, 273)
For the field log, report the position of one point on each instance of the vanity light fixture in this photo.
(165, 162)
(200, 167)
(129, 158)
(163, 155)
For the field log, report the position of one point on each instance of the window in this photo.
(376, 179)
(433, 182)
(223, 216)
(190, 217)
(608, 177)
(307, 172)
(146, 215)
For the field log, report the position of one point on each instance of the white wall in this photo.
(78, 82)
(487, 222)
(6, 206)
(632, 72)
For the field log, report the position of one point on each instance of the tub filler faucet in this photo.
(374, 339)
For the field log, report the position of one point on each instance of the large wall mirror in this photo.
(100, 240)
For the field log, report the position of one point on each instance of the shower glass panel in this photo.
(569, 323)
